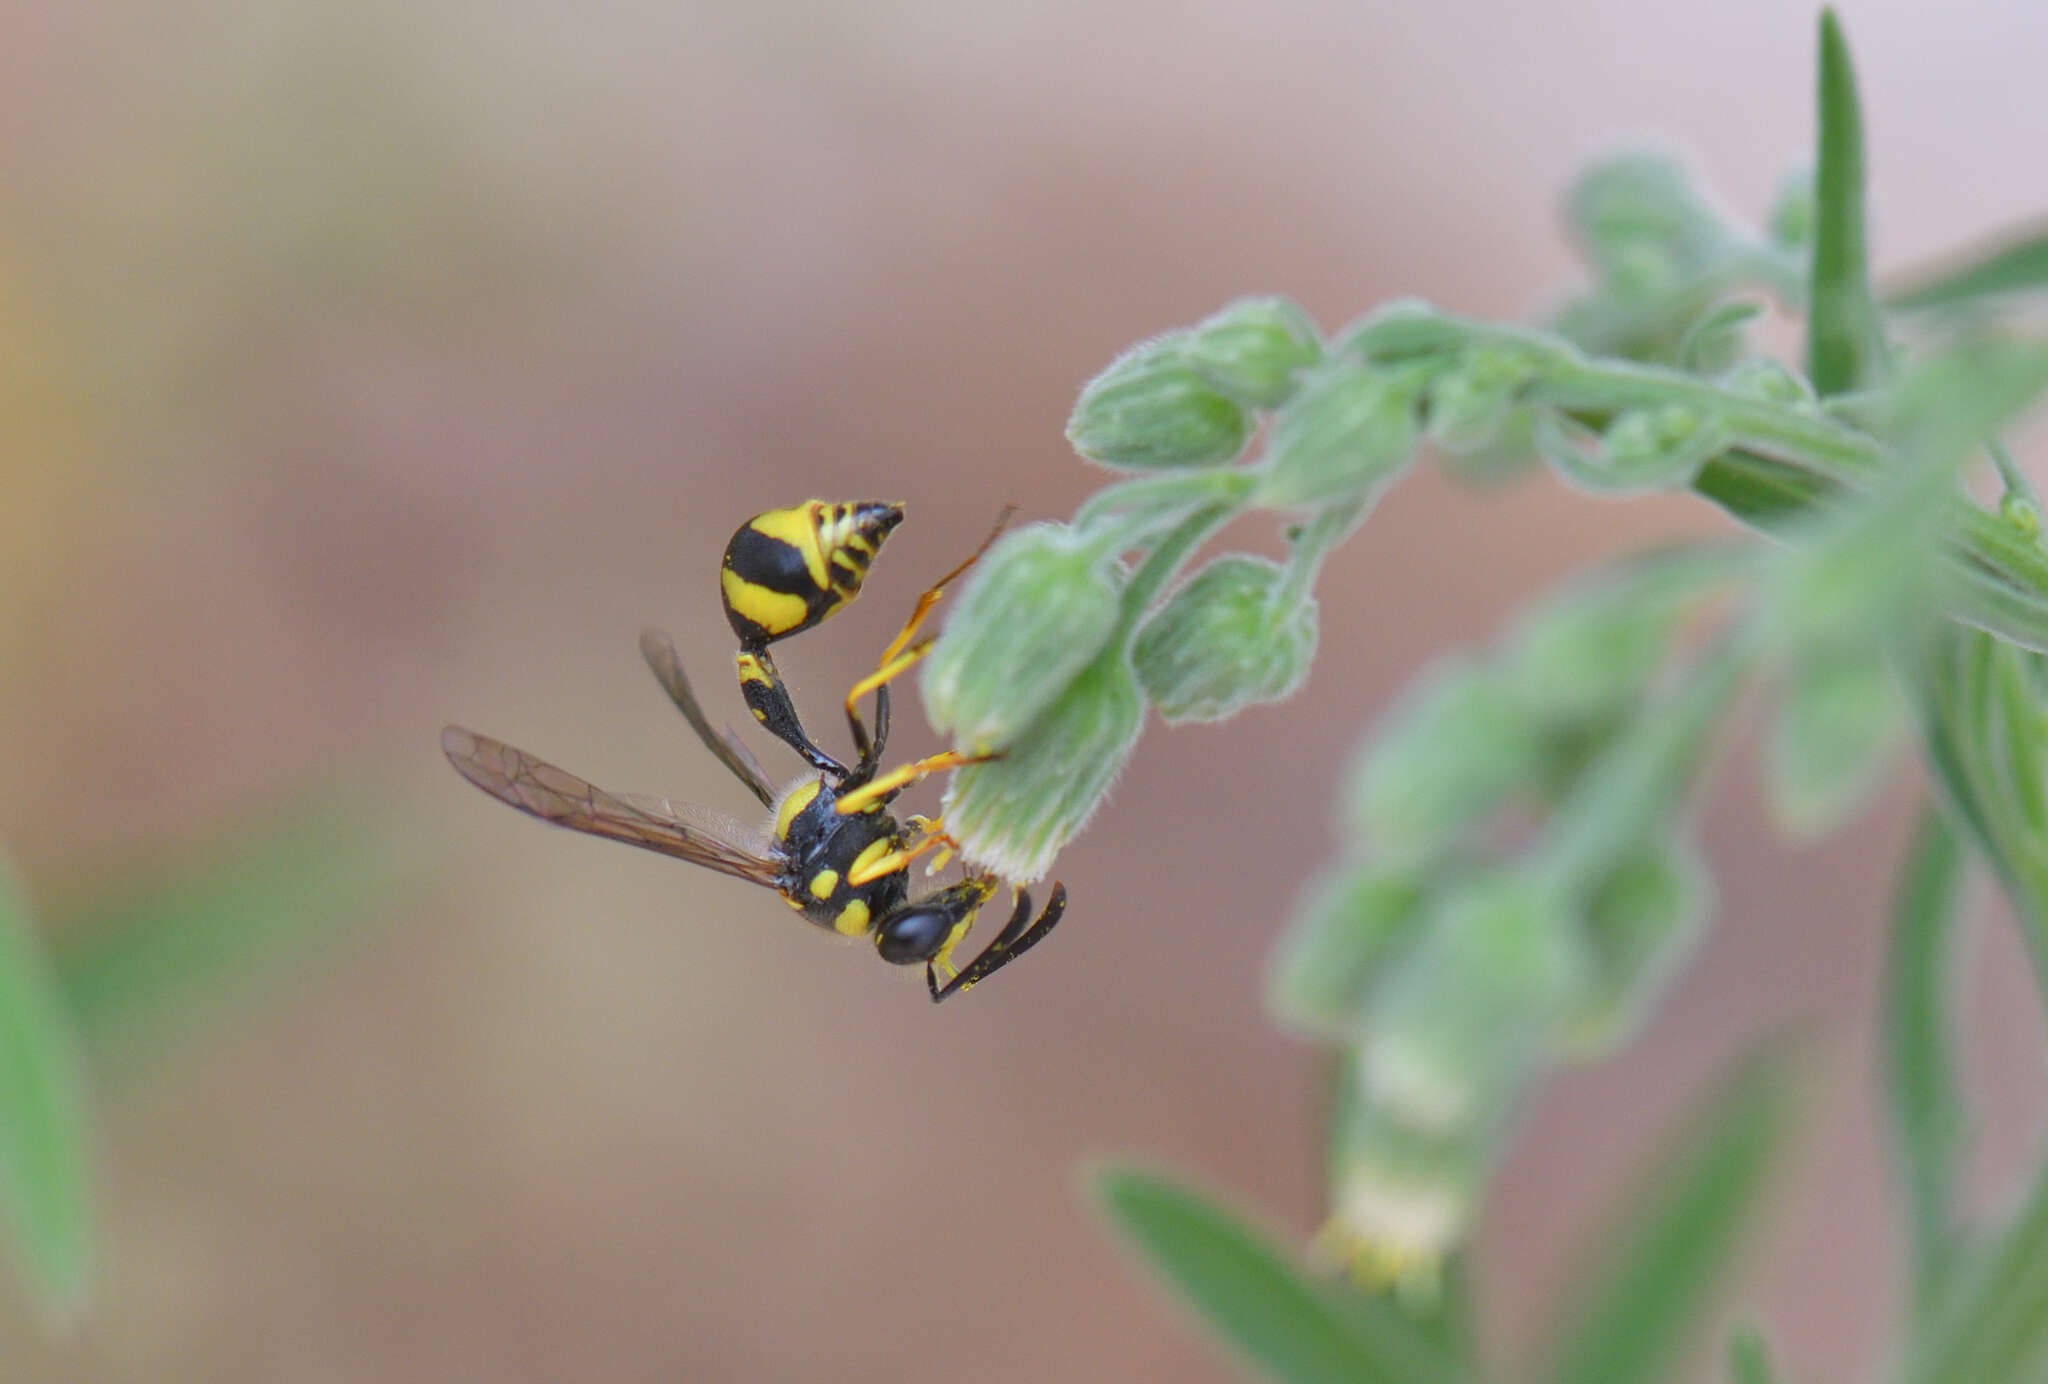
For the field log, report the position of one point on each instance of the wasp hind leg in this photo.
(767, 696)
(1012, 942)
(902, 655)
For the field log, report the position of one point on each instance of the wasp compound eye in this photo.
(915, 934)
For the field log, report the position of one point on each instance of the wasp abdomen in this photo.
(788, 569)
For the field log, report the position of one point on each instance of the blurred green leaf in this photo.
(1834, 738)
(1749, 1360)
(1651, 1293)
(1986, 734)
(45, 1159)
(1633, 786)
(1285, 1324)
(1993, 1326)
(252, 901)
(1844, 335)
(1922, 1082)
(2018, 265)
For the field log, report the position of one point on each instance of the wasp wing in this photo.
(539, 789)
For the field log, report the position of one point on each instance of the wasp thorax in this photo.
(788, 569)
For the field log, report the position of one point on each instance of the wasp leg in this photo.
(660, 652)
(1012, 942)
(886, 786)
(768, 698)
(899, 656)
(899, 859)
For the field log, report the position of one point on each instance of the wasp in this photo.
(835, 852)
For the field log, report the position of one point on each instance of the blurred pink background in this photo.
(368, 367)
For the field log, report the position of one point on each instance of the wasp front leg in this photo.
(1012, 942)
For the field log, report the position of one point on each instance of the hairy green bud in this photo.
(1637, 217)
(1840, 722)
(1255, 349)
(1469, 402)
(1041, 605)
(1227, 638)
(1015, 813)
(1457, 748)
(1763, 378)
(1349, 431)
(1640, 922)
(1642, 450)
(1152, 409)
(1461, 1021)
(1344, 933)
(1792, 213)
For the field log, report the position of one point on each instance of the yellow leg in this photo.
(895, 860)
(902, 776)
(899, 656)
(890, 669)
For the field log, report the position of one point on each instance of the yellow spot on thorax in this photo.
(798, 798)
(852, 920)
(823, 883)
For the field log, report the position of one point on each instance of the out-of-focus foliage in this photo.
(1517, 879)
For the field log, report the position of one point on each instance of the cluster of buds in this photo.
(1452, 960)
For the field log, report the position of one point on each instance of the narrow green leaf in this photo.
(1844, 336)
(1994, 1322)
(1921, 1078)
(1652, 1291)
(1749, 1360)
(2019, 264)
(1286, 1325)
(252, 901)
(45, 1158)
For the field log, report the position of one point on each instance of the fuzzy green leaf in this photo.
(1845, 337)
(1749, 1360)
(1994, 1328)
(1922, 1080)
(45, 1157)
(2017, 265)
(1289, 1327)
(163, 947)
(1658, 1279)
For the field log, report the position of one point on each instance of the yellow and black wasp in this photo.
(836, 854)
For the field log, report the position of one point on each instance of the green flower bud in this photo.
(1254, 349)
(1640, 922)
(1349, 431)
(1151, 409)
(1766, 379)
(1225, 640)
(1015, 813)
(1714, 341)
(1642, 450)
(1039, 607)
(1469, 403)
(1791, 218)
(1588, 651)
(1459, 1024)
(1401, 1200)
(1457, 748)
(1840, 724)
(1344, 933)
(2022, 513)
(1637, 217)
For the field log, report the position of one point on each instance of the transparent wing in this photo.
(660, 652)
(539, 789)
